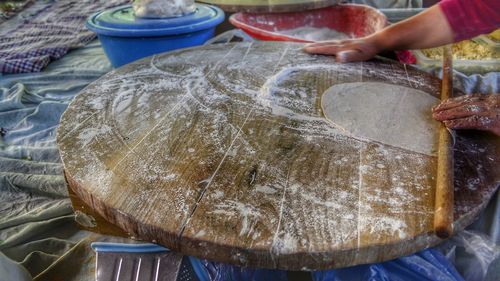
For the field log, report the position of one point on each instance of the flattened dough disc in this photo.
(391, 114)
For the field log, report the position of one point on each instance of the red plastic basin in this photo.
(352, 19)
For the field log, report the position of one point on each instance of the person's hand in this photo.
(428, 29)
(346, 50)
(478, 112)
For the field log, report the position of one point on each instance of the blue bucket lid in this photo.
(120, 21)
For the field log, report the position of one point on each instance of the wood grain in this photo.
(222, 152)
(443, 216)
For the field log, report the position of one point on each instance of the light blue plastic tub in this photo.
(128, 250)
(126, 38)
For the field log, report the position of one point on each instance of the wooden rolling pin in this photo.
(444, 205)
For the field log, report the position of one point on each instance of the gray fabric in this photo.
(38, 233)
(11, 270)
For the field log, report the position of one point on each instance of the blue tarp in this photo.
(426, 265)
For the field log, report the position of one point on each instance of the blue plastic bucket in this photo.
(126, 38)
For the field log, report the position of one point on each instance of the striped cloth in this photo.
(48, 34)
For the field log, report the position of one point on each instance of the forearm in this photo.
(426, 30)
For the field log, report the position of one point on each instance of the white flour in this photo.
(277, 209)
(315, 33)
(162, 8)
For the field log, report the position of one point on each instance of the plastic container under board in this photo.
(464, 66)
(145, 262)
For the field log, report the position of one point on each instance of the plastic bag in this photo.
(475, 256)
(214, 271)
(425, 265)
(162, 8)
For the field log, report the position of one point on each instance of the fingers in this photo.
(346, 50)
(353, 56)
(314, 47)
(328, 49)
(343, 53)
(461, 111)
(478, 112)
(321, 44)
(472, 122)
(458, 101)
(329, 42)
(350, 56)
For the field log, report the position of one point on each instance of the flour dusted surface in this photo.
(219, 153)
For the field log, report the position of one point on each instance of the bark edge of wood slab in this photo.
(222, 152)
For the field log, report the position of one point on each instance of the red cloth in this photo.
(469, 18)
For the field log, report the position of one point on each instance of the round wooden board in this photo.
(222, 152)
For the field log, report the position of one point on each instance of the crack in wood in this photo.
(78, 125)
(210, 180)
(282, 204)
(150, 131)
(360, 184)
